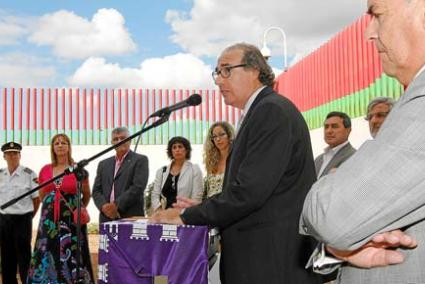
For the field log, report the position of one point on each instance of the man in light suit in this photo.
(120, 181)
(337, 128)
(381, 187)
(268, 173)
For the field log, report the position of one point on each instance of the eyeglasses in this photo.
(377, 114)
(219, 136)
(225, 71)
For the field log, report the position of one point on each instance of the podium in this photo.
(137, 252)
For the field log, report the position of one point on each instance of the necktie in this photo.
(117, 167)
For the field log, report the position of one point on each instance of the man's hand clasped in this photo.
(380, 251)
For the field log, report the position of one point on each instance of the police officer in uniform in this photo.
(16, 220)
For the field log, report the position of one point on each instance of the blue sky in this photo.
(152, 44)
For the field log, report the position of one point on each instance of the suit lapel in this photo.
(319, 163)
(184, 169)
(109, 167)
(339, 156)
(125, 164)
(264, 92)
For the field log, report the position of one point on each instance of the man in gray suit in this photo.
(381, 188)
(120, 181)
(337, 128)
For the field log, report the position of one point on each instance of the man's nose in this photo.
(218, 80)
(371, 32)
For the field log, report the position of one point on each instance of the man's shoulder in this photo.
(348, 149)
(318, 158)
(137, 155)
(106, 160)
(272, 97)
(28, 170)
(109, 160)
(352, 149)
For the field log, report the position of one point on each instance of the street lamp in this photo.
(265, 51)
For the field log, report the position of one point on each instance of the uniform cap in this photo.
(11, 147)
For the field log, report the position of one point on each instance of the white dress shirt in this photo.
(15, 184)
(329, 154)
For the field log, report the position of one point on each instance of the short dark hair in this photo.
(180, 140)
(346, 120)
(253, 58)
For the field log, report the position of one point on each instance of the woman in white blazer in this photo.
(179, 178)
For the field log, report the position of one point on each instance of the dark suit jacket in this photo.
(268, 174)
(340, 157)
(130, 183)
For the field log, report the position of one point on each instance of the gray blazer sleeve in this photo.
(157, 186)
(197, 183)
(380, 188)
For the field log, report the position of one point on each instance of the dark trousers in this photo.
(15, 243)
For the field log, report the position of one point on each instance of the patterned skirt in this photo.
(54, 259)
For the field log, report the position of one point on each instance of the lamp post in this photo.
(265, 51)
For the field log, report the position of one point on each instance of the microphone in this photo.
(193, 100)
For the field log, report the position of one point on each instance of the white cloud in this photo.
(21, 70)
(12, 28)
(179, 71)
(74, 37)
(213, 24)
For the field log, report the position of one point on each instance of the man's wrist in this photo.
(181, 215)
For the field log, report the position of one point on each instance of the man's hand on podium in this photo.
(168, 216)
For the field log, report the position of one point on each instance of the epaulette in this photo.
(28, 171)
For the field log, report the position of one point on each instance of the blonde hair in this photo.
(52, 152)
(211, 152)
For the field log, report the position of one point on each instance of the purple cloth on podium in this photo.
(135, 252)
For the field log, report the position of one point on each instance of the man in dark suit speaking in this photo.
(120, 181)
(268, 174)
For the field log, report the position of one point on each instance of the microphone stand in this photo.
(80, 174)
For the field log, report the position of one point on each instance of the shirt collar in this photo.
(251, 100)
(419, 72)
(336, 148)
(17, 172)
(123, 157)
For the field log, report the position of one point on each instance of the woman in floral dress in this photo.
(54, 257)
